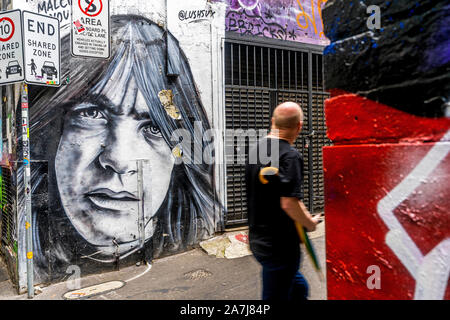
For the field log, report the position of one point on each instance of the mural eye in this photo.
(151, 130)
(91, 113)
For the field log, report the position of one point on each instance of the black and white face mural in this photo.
(88, 136)
(96, 168)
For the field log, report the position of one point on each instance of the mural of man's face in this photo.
(96, 168)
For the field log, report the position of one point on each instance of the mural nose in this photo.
(112, 159)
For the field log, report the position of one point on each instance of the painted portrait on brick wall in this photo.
(93, 135)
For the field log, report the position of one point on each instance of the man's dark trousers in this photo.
(282, 280)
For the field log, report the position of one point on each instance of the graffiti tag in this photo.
(311, 18)
(280, 19)
(246, 23)
(59, 9)
(195, 14)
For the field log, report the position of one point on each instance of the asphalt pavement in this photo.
(192, 275)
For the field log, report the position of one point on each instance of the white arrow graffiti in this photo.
(431, 272)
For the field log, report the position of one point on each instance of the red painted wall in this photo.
(383, 157)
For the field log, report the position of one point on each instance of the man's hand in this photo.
(298, 212)
(316, 220)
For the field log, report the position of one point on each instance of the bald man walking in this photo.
(275, 203)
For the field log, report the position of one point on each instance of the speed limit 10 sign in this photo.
(11, 48)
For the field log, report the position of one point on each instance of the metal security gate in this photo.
(259, 76)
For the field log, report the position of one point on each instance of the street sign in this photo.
(90, 31)
(42, 46)
(11, 49)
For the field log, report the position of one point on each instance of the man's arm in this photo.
(298, 212)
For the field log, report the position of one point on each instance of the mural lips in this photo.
(108, 199)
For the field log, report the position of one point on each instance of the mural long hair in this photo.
(189, 212)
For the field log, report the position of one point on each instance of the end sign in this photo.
(11, 49)
(90, 28)
(42, 49)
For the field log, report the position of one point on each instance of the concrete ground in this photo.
(193, 275)
(6, 287)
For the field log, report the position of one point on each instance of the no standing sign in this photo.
(90, 31)
(11, 49)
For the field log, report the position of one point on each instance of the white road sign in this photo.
(90, 31)
(11, 49)
(42, 49)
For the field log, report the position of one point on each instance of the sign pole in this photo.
(141, 219)
(27, 189)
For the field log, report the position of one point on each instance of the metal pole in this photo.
(2, 97)
(27, 189)
(141, 212)
(310, 135)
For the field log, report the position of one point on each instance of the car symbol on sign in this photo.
(13, 68)
(49, 69)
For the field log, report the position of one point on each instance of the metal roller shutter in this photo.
(257, 78)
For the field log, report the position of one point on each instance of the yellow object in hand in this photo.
(267, 171)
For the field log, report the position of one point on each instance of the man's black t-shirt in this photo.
(272, 232)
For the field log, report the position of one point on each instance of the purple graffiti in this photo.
(248, 4)
(245, 23)
(254, 6)
(294, 20)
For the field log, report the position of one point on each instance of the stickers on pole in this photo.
(90, 31)
(11, 49)
(42, 49)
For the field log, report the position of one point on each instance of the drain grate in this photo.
(197, 274)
